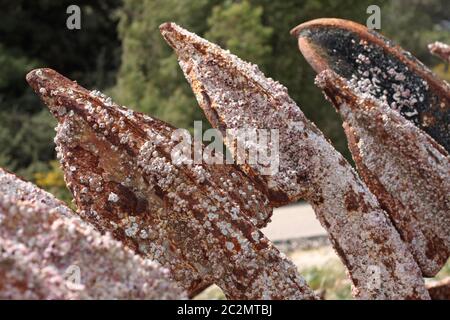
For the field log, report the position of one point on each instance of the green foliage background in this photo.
(119, 50)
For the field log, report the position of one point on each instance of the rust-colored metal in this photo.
(21, 279)
(381, 68)
(190, 217)
(47, 252)
(440, 50)
(235, 94)
(415, 196)
(405, 168)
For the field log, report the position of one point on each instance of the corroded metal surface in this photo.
(18, 189)
(440, 290)
(21, 278)
(411, 184)
(440, 50)
(118, 165)
(406, 169)
(235, 94)
(42, 243)
(381, 68)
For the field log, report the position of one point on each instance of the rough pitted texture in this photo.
(377, 66)
(21, 190)
(235, 94)
(22, 278)
(440, 290)
(404, 167)
(440, 50)
(118, 166)
(37, 236)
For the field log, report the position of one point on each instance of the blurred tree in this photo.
(52, 180)
(37, 30)
(34, 34)
(238, 27)
(443, 71)
(415, 23)
(26, 141)
(149, 78)
(14, 94)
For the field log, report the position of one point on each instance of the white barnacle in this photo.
(114, 225)
(124, 138)
(255, 235)
(400, 77)
(212, 216)
(143, 234)
(61, 111)
(113, 197)
(411, 113)
(229, 245)
(131, 230)
(108, 101)
(207, 224)
(200, 173)
(235, 213)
